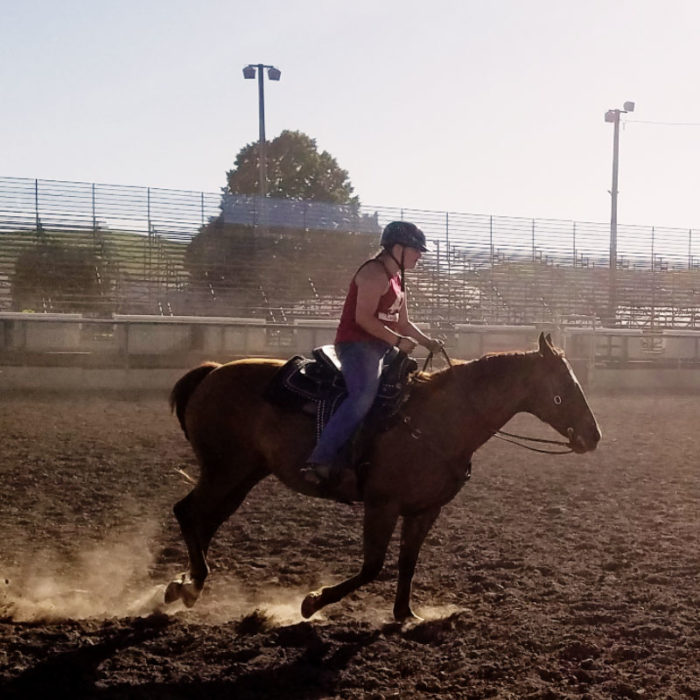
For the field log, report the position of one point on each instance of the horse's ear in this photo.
(545, 344)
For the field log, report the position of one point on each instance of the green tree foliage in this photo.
(295, 170)
(60, 277)
(247, 269)
(275, 265)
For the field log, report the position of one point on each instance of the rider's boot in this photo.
(333, 481)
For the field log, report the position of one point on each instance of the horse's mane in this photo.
(473, 369)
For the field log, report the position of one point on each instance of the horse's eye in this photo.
(557, 399)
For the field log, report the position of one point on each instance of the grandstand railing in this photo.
(483, 269)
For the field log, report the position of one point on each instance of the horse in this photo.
(415, 467)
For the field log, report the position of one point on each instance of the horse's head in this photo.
(559, 400)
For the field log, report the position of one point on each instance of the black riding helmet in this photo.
(404, 233)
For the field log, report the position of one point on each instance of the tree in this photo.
(61, 276)
(314, 235)
(295, 170)
(247, 273)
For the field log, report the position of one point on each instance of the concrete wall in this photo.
(64, 351)
(55, 332)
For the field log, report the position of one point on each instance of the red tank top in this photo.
(387, 311)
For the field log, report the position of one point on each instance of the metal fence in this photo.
(136, 243)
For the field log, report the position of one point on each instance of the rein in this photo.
(501, 433)
(513, 438)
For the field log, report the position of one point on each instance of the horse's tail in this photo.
(184, 387)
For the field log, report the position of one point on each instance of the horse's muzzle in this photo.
(580, 442)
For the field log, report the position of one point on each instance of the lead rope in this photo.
(416, 433)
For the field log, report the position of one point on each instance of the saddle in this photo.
(315, 385)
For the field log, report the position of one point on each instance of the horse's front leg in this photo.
(413, 532)
(379, 524)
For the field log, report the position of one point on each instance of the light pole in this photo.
(273, 74)
(613, 115)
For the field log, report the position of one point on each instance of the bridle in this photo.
(513, 438)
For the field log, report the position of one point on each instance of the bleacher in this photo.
(130, 250)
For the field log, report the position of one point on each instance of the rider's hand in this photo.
(406, 344)
(435, 345)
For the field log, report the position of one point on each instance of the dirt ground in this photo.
(547, 577)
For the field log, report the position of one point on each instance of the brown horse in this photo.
(415, 468)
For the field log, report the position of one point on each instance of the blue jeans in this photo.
(361, 365)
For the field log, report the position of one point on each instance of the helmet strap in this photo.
(400, 263)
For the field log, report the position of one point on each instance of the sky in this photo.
(477, 106)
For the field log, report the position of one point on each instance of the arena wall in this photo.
(62, 352)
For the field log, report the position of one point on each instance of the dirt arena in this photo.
(547, 577)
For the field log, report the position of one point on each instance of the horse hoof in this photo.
(310, 604)
(407, 616)
(190, 596)
(173, 592)
(185, 590)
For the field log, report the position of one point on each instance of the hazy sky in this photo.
(483, 106)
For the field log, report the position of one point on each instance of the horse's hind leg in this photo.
(414, 530)
(379, 524)
(200, 514)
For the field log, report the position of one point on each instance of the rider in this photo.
(374, 318)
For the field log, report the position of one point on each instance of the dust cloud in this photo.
(226, 600)
(110, 579)
(107, 579)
